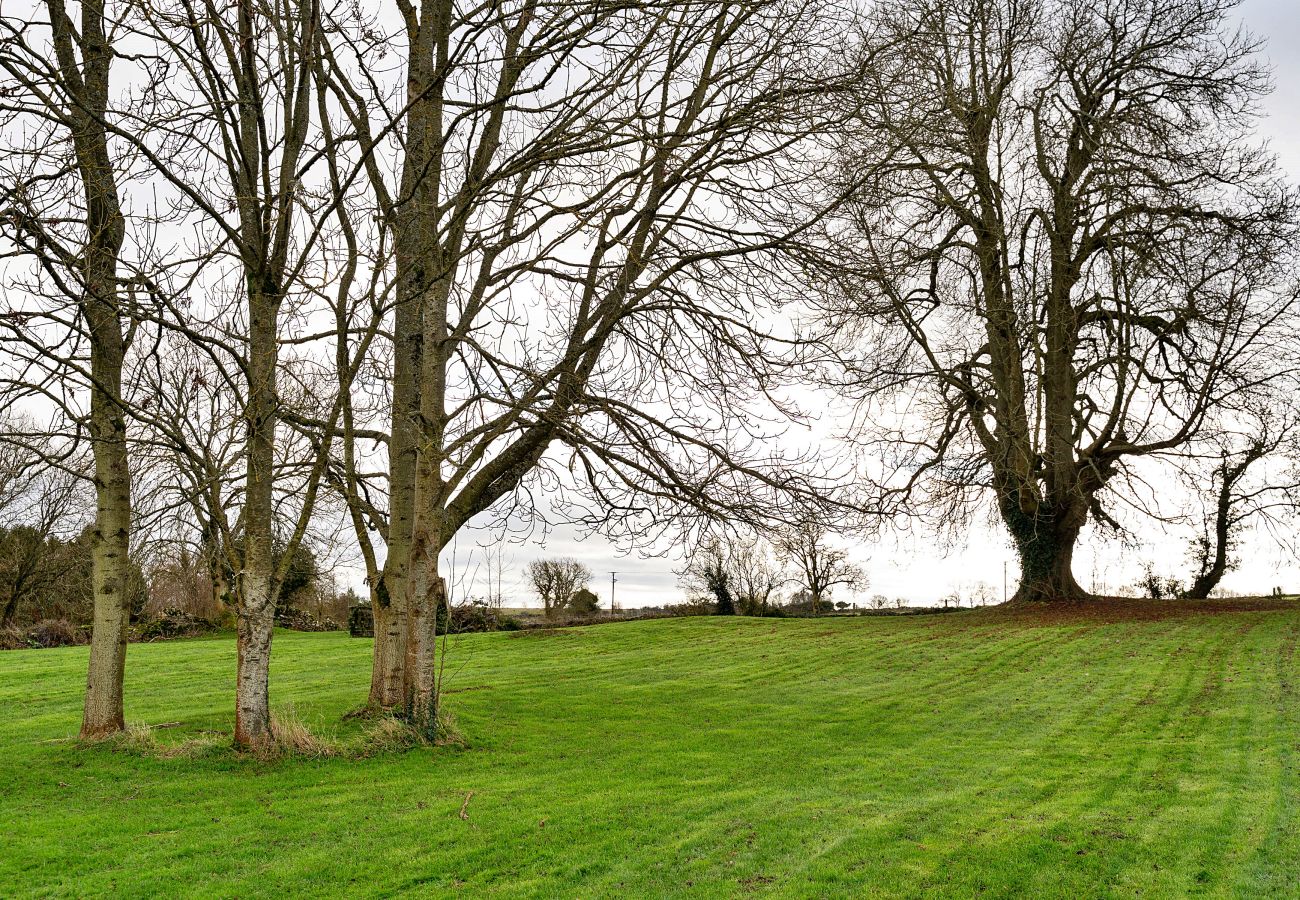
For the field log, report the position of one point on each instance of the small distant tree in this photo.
(982, 594)
(556, 581)
(1151, 584)
(755, 576)
(740, 574)
(878, 601)
(708, 573)
(583, 602)
(821, 566)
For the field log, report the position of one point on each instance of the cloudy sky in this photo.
(913, 566)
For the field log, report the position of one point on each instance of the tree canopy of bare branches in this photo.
(1062, 251)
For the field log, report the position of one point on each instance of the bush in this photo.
(583, 602)
(470, 618)
(45, 633)
(174, 623)
(302, 620)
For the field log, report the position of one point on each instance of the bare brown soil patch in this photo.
(1104, 610)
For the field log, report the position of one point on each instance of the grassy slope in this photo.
(947, 755)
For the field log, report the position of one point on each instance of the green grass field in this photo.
(975, 754)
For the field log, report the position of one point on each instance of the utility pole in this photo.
(612, 605)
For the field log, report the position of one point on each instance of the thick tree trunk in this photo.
(253, 675)
(428, 597)
(1045, 543)
(426, 590)
(388, 669)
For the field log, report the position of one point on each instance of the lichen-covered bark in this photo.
(86, 85)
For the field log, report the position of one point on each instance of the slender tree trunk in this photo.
(387, 673)
(110, 552)
(257, 588)
(1214, 568)
(1210, 575)
(105, 227)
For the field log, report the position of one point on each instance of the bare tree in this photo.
(738, 572)
(755, 576)
(820, 566)
(247, 155)
(556, 580)
(59, 70)
(1244, 476)
(1063, 250)
(576, 264)
(708, 574)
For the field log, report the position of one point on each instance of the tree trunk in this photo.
(110, 551)
(387, 673)
(1213, 569)
(1045, 543)
(1210, 576)
(253, 678)
(105, 226)
(257, 587)
(422, 641)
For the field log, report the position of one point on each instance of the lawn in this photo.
(983, 753)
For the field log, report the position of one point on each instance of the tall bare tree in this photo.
(60, 71)
(251, 168)
(568, 217)
(1062, 252)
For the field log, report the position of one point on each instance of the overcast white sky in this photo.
(914, 566)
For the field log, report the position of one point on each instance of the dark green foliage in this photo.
(583, 602)
(361, 620)
(474, 617)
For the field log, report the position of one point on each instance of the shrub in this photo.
(45, 633)
(174, 623)
(583, 602)
(468, 618)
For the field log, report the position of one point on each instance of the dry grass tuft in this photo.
(142, 740)
(290, 736)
